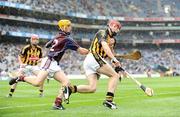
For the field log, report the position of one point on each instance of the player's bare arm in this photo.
(20, 61)
(109, 53)
(107, 49)
(82, 51)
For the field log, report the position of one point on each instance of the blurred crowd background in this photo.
(151, 26)
(108, 7)
(72, 62)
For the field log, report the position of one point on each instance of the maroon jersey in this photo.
(60, 44)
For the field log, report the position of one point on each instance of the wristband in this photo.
(114, 60)
(118, 69)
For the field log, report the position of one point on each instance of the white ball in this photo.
(149, 91)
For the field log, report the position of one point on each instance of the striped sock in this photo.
(58, 101)
(11, 92)
(73, 88)
(109, 96)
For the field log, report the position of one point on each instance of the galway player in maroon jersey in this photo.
(50, 64)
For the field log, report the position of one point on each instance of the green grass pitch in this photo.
(131, 101)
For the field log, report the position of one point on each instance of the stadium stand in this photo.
(165, 57)
(143, 28)
(115, 8)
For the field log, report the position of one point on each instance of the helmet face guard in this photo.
(113, 23)
(34, 39)
(112, 33)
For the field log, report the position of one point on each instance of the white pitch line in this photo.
(21, 106)
(92, 100)
(167, 93)
(48, 104)
(8, 107)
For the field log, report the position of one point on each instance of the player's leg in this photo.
(41, 89)
(37, 80)
(106, 69)
(48, 80)
(12, 89)
(35, 70)
(90, 87)
(90, 66)
(33, 80)
(61, 78)
(14, 74)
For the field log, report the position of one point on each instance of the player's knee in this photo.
(116, 75)
(65, 83)
(38, 84)
(92, 89)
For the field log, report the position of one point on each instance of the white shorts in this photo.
(29, 69)
(91, 65)
(50, 65)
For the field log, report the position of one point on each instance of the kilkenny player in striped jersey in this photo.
(29, 57)
(95, 63)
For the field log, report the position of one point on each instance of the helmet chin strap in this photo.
(112, 33)
(68, 33)
(34, 44)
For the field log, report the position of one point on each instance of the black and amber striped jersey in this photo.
(96, 48)
(30, 55)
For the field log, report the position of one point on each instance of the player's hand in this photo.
(22, 65)
(115, 62)
(39, 61)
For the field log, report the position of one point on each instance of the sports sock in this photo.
(109, 96)
(48, 81)
(120, 79)
(58, 101)
(11, 92)
(41, 91)
(73, 88)
(21, 78)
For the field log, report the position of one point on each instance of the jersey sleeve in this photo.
(41, 53)
(23, 51)
(114, 45)
(49, 43)
(72, 45)
(101, 36)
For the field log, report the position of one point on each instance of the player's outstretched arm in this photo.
(82, 51)
(107, 49)
(109, 53)
(19, 59)
(49, 43)
(22, 65)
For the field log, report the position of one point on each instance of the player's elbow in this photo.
(83, 51)
(104, 44)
